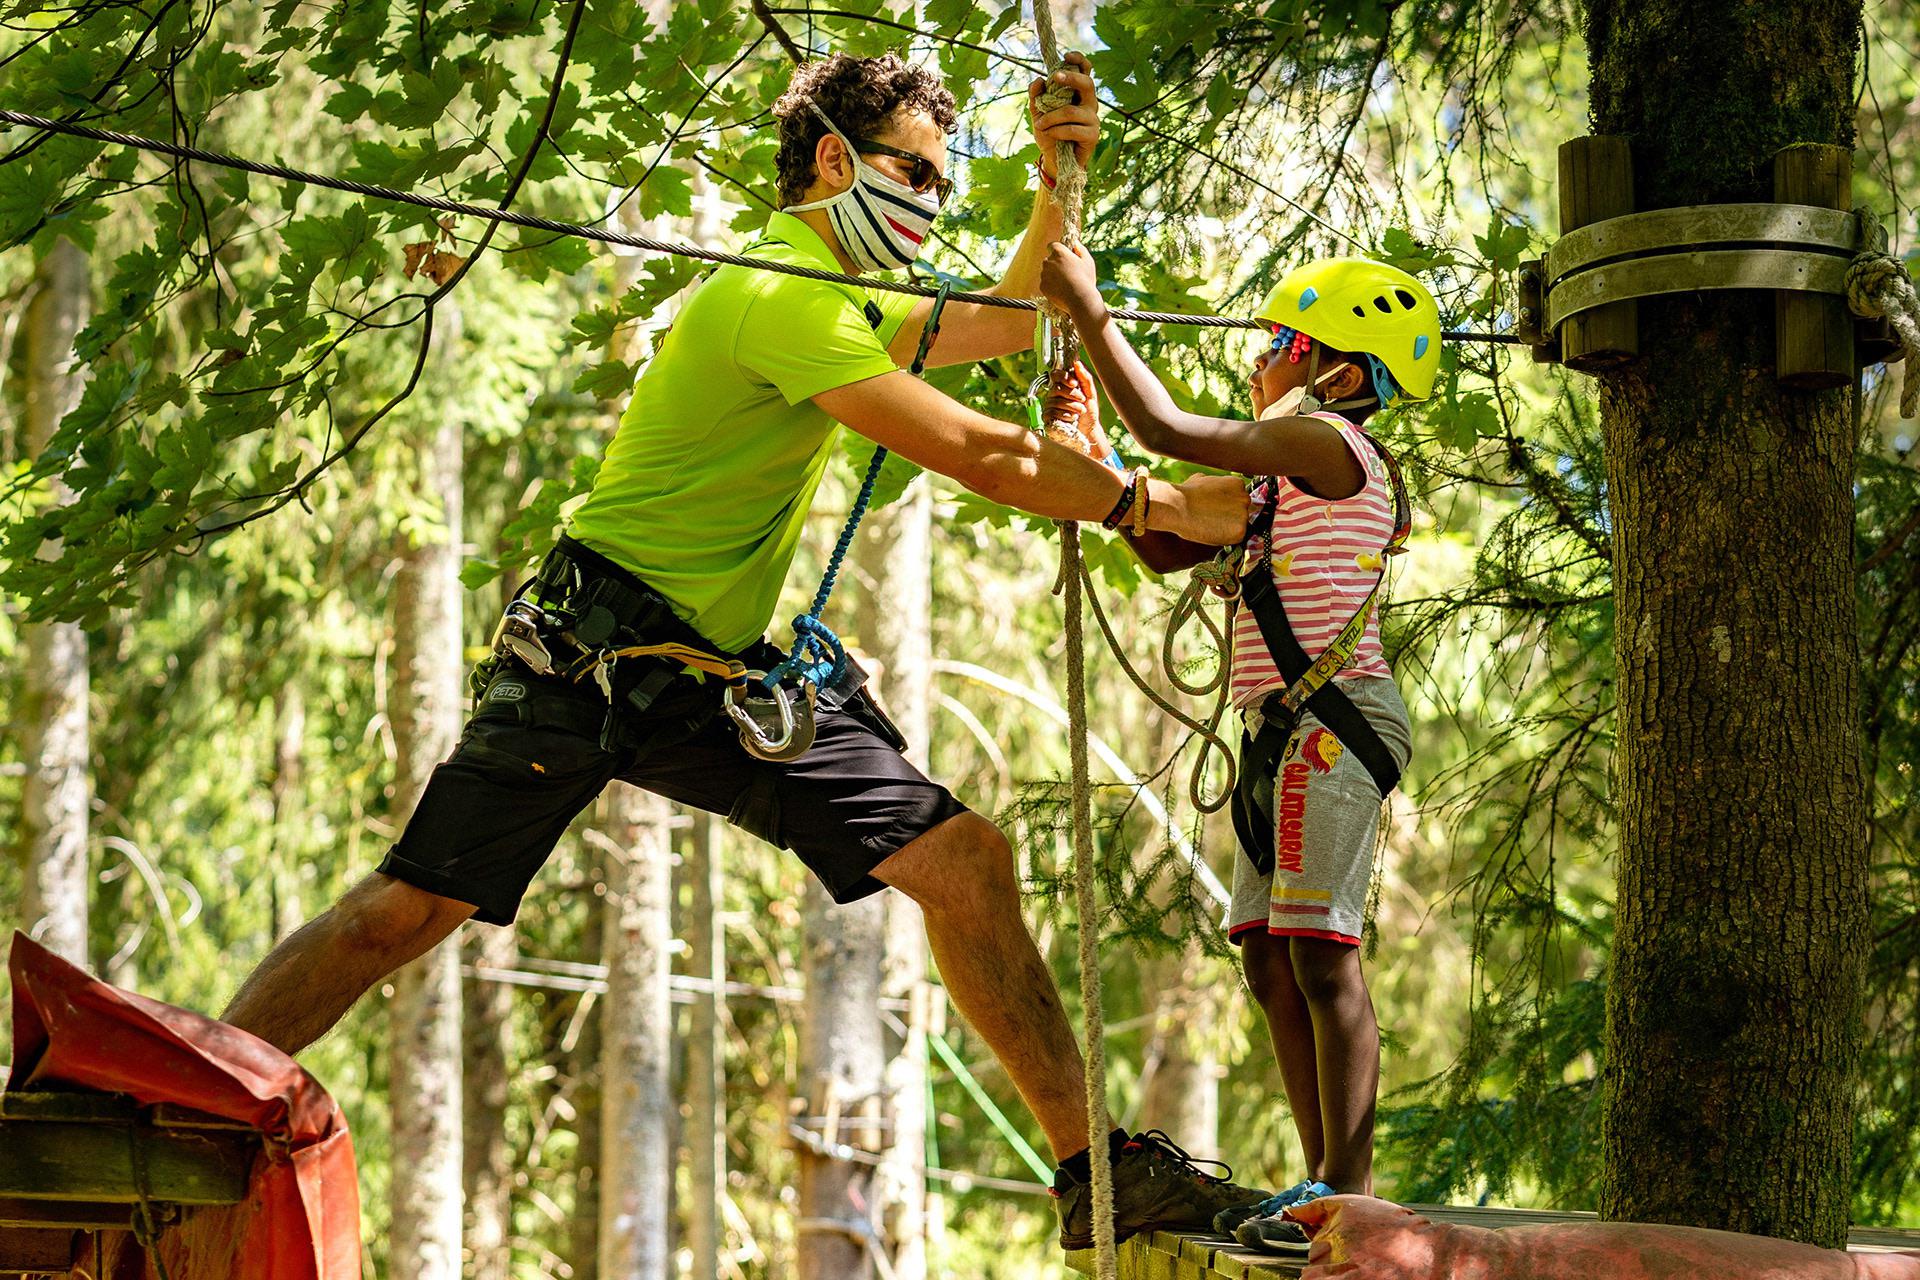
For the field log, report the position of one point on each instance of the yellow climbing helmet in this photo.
(1364, 307)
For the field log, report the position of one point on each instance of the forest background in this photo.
(261, 471)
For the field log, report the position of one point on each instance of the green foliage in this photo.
(244, 332)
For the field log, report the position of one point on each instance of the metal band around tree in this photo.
(1795, 247)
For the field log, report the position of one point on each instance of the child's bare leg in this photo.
(1270, 978)
(1347, 1042)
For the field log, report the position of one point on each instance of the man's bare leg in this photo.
(1269, 968)
(962, 875)
(308, 982)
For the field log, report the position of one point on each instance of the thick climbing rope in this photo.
(1189, 605)
(1879, 287)
(1070, 191)
(643, 243)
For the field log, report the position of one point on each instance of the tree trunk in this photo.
(843, 1080)
(487, 1034)
(1735, 994)
(52, 711)
(583, 1088)
(706, 1050)
(428, 699)
(637, 1105)
(894, 564)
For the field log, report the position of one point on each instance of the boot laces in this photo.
(1160, 1147)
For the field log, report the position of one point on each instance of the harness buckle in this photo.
(777, 727)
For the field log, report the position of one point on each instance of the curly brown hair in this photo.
(858, 94)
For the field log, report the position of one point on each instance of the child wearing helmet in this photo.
(1326, 731)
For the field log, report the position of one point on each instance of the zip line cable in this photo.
(440, 204)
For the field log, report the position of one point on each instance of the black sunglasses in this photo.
(923, 177)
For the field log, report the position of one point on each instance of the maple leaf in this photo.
(442, 267)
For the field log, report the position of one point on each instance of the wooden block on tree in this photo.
(1596, 183)
(1814, 334)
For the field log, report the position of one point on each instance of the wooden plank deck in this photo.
(1167, 1255)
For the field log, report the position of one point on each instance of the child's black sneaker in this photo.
(1275, 1232)
(1227, 1221)
(1156, 1187)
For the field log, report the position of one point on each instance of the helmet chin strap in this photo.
(1312, 403)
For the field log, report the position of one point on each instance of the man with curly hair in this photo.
(684, 543)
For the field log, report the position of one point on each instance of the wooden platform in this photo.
(1165, 1255)
(75, 1164)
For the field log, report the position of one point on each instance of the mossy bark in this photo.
(1733, 1016)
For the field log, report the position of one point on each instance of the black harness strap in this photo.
(1259, 753)
(630, 603)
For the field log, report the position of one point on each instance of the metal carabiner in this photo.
(775, 727)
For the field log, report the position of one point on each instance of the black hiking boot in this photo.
(1156, 1187)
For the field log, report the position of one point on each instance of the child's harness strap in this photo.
(1310, 683)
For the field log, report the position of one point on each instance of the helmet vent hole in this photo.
(1384, 307)
(1361, 312)
(1406, 299)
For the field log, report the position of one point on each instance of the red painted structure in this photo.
(301, 1217)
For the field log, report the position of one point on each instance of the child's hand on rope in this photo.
(1072, 413)
(1077, 122)
(1069, 281)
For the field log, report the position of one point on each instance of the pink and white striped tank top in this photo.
(1326, 558)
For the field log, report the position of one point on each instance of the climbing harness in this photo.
(598, 615)
(579, 618)
(1310, 685)
(773, 709)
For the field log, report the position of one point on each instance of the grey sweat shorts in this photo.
(1326, 827)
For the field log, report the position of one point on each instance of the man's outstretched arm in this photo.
(1008, 464)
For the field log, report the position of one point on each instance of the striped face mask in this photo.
(880, 222)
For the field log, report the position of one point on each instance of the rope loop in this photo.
(1880, 287)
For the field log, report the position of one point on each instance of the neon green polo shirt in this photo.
(706, 485)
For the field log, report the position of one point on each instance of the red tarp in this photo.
(1360, 1238)
(301, 1218)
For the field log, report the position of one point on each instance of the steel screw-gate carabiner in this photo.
(777, 727)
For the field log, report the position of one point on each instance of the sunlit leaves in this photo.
(530, 534)
(1399, 248)
(606, 380)
(1503, 244)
